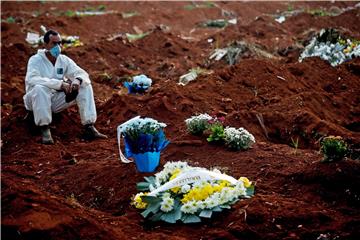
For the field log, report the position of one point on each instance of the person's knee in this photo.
(40, 93)
(41, 89)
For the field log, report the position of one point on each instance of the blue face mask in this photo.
(55, 51)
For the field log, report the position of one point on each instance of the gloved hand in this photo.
(75, 84)
(65, 87)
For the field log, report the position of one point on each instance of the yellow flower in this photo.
(246, 181)
(137, 201)
(347, 50)
(202, 193)
(224, 183)
(174, 174)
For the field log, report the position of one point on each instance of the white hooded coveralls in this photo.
(42, 81)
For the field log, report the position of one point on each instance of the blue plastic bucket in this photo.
(147, 162)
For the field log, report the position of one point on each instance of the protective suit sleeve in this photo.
(73, 71)
(33, 76)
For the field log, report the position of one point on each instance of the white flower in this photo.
(185, 188)
(142, 80)
(238, 138)
(166, 207)
(189, 207)
(197, 124)
(166, 195)
(167, 204)
(211, 202)
(140, 125)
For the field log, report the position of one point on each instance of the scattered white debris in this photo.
(33, 39)
(93, 13)
(280, 77)
(219, 53)
(236, 49)
(186, 78)
(192, 75)
(233, 21)
(115, 36)
(280, 19)
(134, 37)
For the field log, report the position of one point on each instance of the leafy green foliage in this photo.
(319, 12)
(295, 144)
(105, 77)
(70, 13)
(94, 9)
(9, 20)
(218, 23)
(290, 7)
(203, 5)
(333, 148)
(216, 133)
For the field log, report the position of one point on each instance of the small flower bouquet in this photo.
(330, 46)
(143, 137)
(238, 139)
(235, 139)
(198, 124)
(184, 193)
(140, 84)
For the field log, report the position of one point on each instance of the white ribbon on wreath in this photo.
(192, 176)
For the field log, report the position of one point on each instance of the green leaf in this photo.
(151, 208)
(156, 217)
(142, 186)
(150, 180)
(190, 218)
(177, 212)
(225, 206)
(146, 212)
(232, 202)
(250, 191)
(217, 209)
(169, 217)
(151, 199)
(205, 213)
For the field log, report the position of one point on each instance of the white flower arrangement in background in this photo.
(238, 139)
(333, 49)
(138, 125)
(198, 124)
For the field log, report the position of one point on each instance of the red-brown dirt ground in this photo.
(45, 196)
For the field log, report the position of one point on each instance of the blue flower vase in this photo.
(147, 162)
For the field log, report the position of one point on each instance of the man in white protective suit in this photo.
(53, 83)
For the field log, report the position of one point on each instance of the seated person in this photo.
(53, 83)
